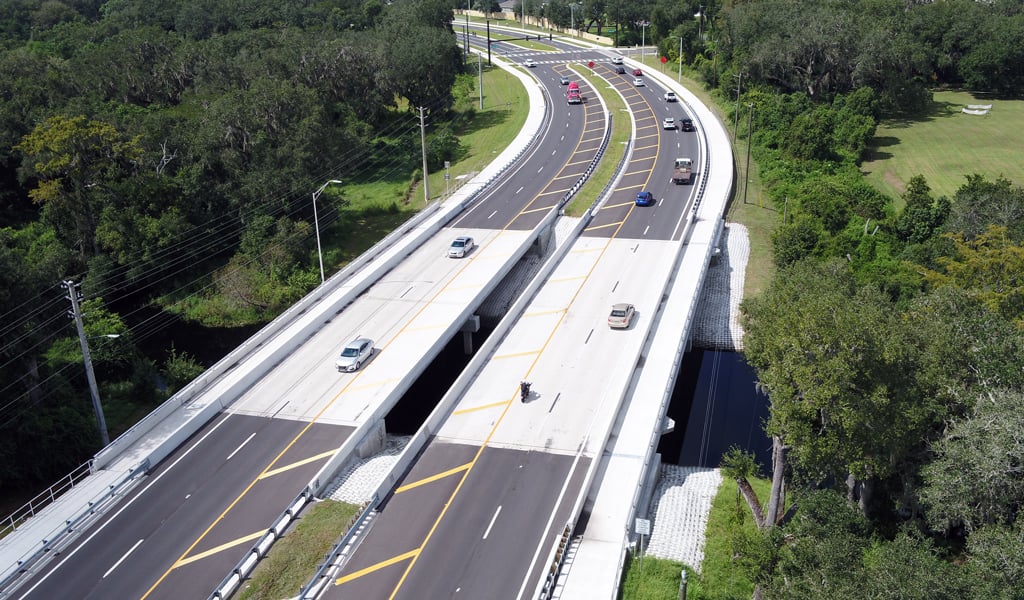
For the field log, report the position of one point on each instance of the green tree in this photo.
(996, 564)
(833, 356)
(921, 216)
(795, 241)
(976, 478)
(73, 160)
(980, 203)
(988, 267)
(417, 61)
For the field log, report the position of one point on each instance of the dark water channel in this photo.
(715, 406)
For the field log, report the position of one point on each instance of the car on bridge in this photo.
(354, 355)
(644, 198)
(670, 97)
(638, 73)
(620, 70)
(461, 246)
(687, 125)
(616, 60)
(563, 80)
(668, 123)
(621, 316)
(638, 82)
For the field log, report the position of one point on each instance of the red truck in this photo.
(572, 94)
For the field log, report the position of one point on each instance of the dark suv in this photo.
(686, 124)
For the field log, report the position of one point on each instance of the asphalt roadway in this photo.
(145, 549)
(478, 511)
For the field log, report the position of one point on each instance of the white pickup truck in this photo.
(670, 97)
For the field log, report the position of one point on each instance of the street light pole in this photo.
(750, 134)
(643, 38)
(316, 225)
(467, 27)
(679, 76)
(739, 89)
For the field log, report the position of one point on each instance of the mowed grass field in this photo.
(946, 145)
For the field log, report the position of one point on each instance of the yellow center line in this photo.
(221, 548)
(481, 407)
(595, 227)
(376, 567)
(554, 311)
(431, 479)
(297, 464)
(514, 354)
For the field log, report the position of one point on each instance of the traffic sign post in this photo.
(642, 527)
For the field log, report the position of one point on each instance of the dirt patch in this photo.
(893, 181)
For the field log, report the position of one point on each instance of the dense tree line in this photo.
(891, 341)
(164, 151)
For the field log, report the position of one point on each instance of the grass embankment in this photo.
(719, 579)
(295, 557)
(945, 145)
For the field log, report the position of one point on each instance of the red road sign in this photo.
(664, 60)
(590, 64)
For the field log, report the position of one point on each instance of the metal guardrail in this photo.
(44, 498)
(59, 536)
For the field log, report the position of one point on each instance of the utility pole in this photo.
(466, 37)
(423, 145)
(480, 76)
(750, 134)
(739, 87)
(74, 295)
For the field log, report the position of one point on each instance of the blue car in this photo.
(644, 198)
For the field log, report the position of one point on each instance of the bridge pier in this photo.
(471, 326)
(374, 441)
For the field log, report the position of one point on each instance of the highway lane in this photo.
(654, 149)
(464, 524)
(492, 516)
(120, 557)
(650, 166)
(571, 142)
(189, 541)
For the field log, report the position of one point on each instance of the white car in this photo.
(616, 60)
(530, 63)
(670, 97)
(668, 123)
(461, 246)
(638, 82)
(621, 316)
(355, 353)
